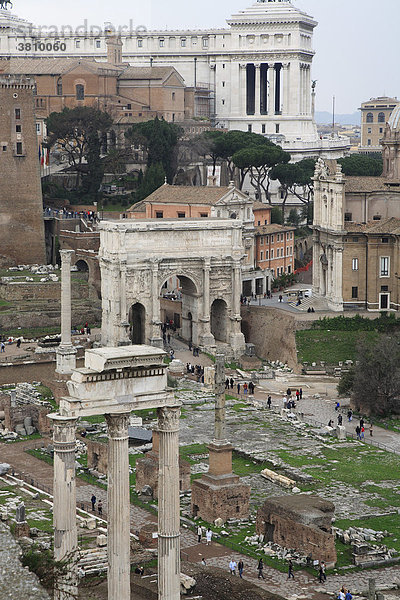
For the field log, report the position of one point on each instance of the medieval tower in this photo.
(21, 212)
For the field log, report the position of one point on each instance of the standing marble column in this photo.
(257, 89)
(168, 504)
(286, 88)
(118, 508)
(236, 291)
(64, 505)
(156, 339)
(206, 339)
(220, 409)
(66, 353)
(271, 89)
(242, 88)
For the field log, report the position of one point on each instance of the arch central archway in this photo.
(219, 320)
(182, 305)
(137, 320)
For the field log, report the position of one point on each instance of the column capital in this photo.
(207, 264)
(66, 255)
(242, 65)
(118, 425)
(168, 418)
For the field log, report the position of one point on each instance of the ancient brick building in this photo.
(21, 213)
(301, 522)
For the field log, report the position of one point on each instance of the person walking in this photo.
(350, 415)
(348, 595)
(269, 402)
(232, 567)
(231, 383)
(290, 570)
(93, 501)
(227, 383)
(238, 389)
(260, 568)
(100, 508)
(3, 347)
(362, 434)
(245, 388)
(337, 405)
(301, 393)
(203, 562)
(240, 568)
(358, 432)
(322, 572)
(370, 430)
(209, 535)
(199, 533)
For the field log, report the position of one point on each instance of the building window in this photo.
(289, 269)
(370, 117)
(173, 95)
(181, 215)
(38, 128)
(19, 148)
(287, 235)
(77, 43)
(369, 142)
(380, 129)
(18, 128)
(291, 235)
(385, 240)
(261, 241)
(354, 264)
(98, 44)
(4, 148)
(384, 266)
(272, 253)
(354, 292)
(272, 239)
(223, 83)
(250, 128)
(161, 42)
(80, 92)
(263, 128)
(266, 254)
(381, 117)
(205, 42)
(17, 114)
(384, 288)
(277, 127)
(140, 43)
(261, 255)
(59, 87)
(203, 215)
(376, 218)
(159, 214)
(287, 251)
(369, 130)
(183, 42)
(348, 216)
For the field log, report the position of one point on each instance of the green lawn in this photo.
(314, 345)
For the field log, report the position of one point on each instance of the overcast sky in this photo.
(355, 40)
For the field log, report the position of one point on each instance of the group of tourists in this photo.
(63, 213)
(93, 501)
(196, 370)
(344, 594)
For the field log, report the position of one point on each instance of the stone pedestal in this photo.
(168, 504)
(64, 505)
(118, 508)
(219, 493)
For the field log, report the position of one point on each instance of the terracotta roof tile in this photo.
(53, 66)
(181, 194)
(273, 228)
(365, 184)
(388, 226)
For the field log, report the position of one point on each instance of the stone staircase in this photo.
(93, 561)
(319, 304)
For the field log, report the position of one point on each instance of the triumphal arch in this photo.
(138, 257)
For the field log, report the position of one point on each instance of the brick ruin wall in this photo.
(21, 211)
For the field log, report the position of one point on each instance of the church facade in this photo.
(356, 251)
(256, 71)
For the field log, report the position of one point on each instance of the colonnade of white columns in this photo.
(118, 505)
(279, 79)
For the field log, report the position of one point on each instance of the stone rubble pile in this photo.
(364, 543)
(275, 551)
